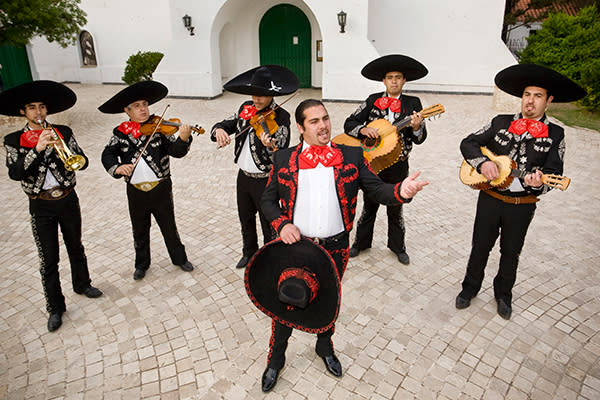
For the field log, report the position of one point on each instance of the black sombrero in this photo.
(266, 80)
(56, 96)
(514, 79)
(297, 285)
(410, 68)
(151, 91)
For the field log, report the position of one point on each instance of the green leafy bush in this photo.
(571, 46)
(141, 66)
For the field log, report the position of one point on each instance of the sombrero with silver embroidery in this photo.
(410, 68)
(514, 79)
(297, 285)
(266, 80)
(56, 96)
(151, 91)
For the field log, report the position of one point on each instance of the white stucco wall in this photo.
(458, 41)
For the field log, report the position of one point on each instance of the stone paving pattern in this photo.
(178, 335)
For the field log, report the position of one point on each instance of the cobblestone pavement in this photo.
(196, 335)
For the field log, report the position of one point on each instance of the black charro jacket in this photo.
(279, 198)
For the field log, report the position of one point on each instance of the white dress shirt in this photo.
(143, 173)
(245, 160)
(317, 211)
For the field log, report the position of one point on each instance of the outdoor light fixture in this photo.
(342, 20)
(187, 22)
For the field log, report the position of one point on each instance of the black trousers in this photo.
(281, 333)
(366, 223)
(159, 203)
(249, 192)
(495, 217)
(46, 217)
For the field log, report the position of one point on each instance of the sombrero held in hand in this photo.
(514, 79)
(297, 285)
(266, 80)
(56, 96)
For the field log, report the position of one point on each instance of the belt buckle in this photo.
(55, 193)
(517, 200)
(317, 240)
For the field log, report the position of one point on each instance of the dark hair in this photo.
(308, 103)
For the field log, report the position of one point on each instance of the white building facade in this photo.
(459, 42)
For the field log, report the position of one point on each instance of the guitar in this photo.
(507, 170)
(386, 149)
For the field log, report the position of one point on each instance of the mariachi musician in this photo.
(143, 160)
(311, 193)
(44, 158)
(260, 127)
(394, 71)
(537, 147)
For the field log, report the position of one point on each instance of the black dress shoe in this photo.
(353, 252)
(139, 274)
(504, 309)
(333, 364)
(54, 322)
(243, 262)
(269, 379)
(462, 302)
(187, 266)
(403, 258)
(91, 292)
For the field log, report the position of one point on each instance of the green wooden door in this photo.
(284, 35)
(15, 66)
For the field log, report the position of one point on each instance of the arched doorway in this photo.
(285, 39)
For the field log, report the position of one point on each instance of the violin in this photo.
(264, 123)
(166, 127)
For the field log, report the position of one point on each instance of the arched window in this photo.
(88, 54)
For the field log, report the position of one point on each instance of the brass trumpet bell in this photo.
(74, 162)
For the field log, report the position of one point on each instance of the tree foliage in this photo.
(141, 66)
(57, 20)
(570, 45)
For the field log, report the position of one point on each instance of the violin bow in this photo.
(237, 134)
(137, 160)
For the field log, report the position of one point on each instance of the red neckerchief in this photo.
(248, 112)
(313, 155)
(393, 103)
(30, 138)
(131, 128)
(537, 129)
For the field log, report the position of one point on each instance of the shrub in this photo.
(570, 45)
(141, 66)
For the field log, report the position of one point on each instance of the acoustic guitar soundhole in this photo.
(369, 144)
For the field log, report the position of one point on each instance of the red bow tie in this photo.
(130, 128)
(248, 112)
(30, 138)
(393, 103)
(537, 129)
(313, 155)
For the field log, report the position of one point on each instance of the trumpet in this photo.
(72, 162)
